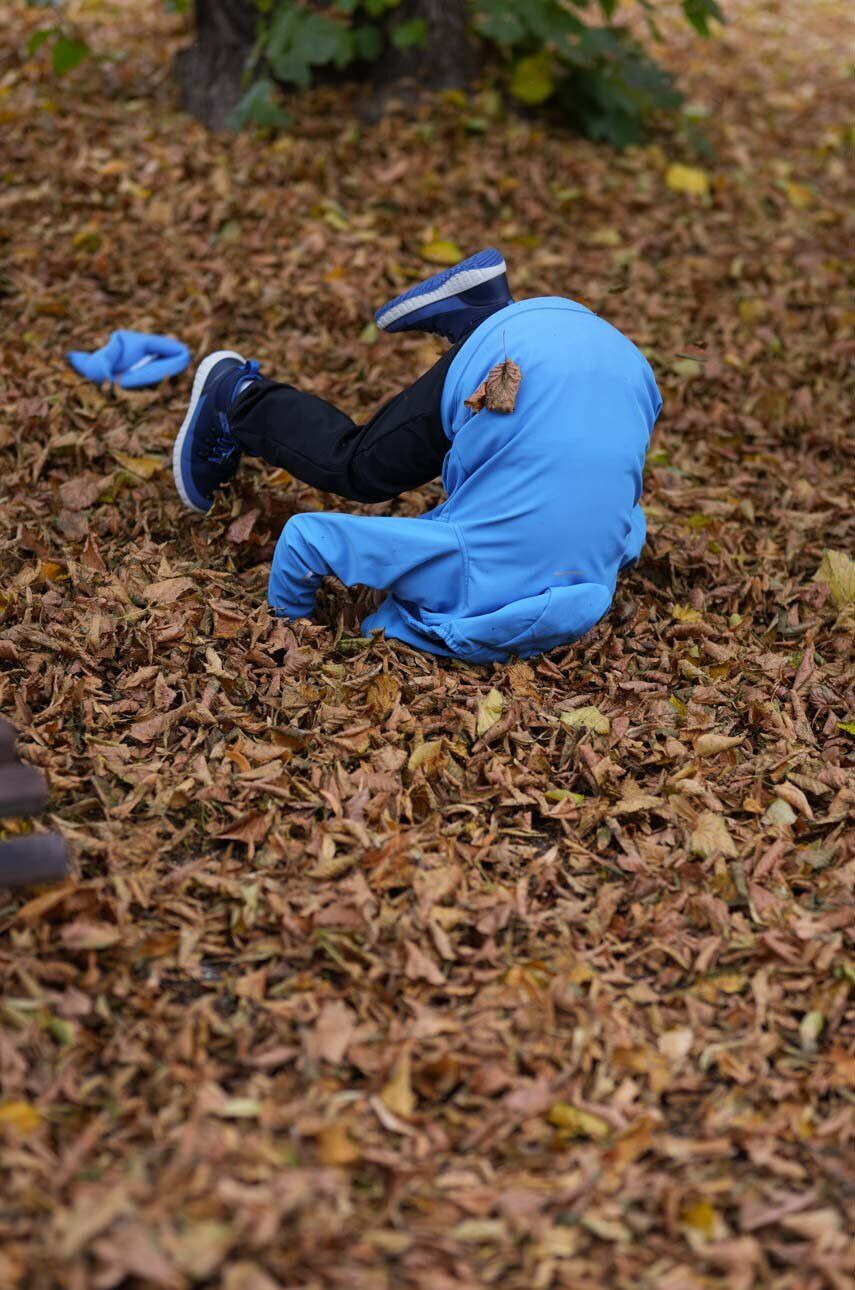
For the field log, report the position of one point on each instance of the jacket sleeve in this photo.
(414, 558)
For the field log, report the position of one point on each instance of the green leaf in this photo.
(700, 13)
(406, 35)
(39, 38)
(847, 726)
(532, 81)
(68, 53)
(499, 23)
(259, 107)
(367, 42)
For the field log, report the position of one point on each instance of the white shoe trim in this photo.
(203, 371)
(464, 281)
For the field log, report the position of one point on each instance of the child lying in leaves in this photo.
(538, 418)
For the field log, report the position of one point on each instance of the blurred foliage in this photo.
(572, 55)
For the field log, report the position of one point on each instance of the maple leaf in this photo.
(498, 391)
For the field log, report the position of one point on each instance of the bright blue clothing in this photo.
(542, 508)
(133, 358)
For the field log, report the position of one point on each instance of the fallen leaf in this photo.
(489, 711)
(200, 1248)
(144, 467)
(335, 1147)
(21, 1117)
(333, 1032)
(498, 391)
(239, 1108)
(397, 1095)
(427, 757)
(168, 591)
(439, 252)
(811, 1027)
(240, 529)
(687, 179)
(85, 935)
(710, 744)
(710, 836)
(577, 1123)
(780, 814)
(589, 718)
(837, 571)
(702, 1218)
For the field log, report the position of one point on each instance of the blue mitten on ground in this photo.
(133, 358)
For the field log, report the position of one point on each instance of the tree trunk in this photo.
(210, 72)
(445, 60)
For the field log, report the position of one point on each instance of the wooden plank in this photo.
(33, 858)
(23, 791)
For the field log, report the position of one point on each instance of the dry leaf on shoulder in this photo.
(498, 393)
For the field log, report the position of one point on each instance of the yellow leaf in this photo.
(335, 1147)
(144, 467)
(810, 1028)
(489, 711)
(20, 1116)
(563, 795)
(428, 757)
(398, 1096)
(687, 367)
(837, 571)
(687, 179)
(799, 196)
(239, 1108)
(701, 1217)
(589, 718)
(532, 81)
(710, 836)
(576, 1122)
(53, 572)
(752, 309)
(439, 252)
(605, 237)
(678, 705)
(685, 614)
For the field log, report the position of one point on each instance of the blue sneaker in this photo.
(451, 303)
(206, 454)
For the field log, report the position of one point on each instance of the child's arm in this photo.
(417, 559)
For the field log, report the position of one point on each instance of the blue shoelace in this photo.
(223, 445)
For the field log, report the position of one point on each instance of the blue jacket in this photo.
(542, 508)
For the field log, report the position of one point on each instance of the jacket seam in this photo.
(464, 552)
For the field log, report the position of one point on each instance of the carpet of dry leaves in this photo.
(379, 972)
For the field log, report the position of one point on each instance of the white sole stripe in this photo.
(203, 371)
(461, 282)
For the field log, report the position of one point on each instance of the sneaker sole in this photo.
(451, 283)
(203, 371)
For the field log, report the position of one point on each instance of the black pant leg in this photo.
(401, 447)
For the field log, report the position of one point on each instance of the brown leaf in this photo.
(332, 1033)
(168, 591)
(498, 391)
(240, 529)
(398, 1096)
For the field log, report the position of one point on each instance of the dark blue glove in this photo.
(132, 358)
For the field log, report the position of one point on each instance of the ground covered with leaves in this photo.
(379, 972)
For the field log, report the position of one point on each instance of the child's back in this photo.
(540, 500)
